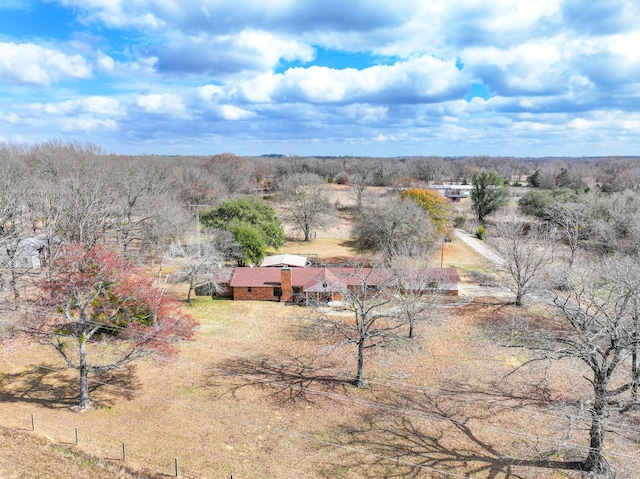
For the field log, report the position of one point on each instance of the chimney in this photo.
(285, 284)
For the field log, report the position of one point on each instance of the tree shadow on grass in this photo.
(419, 435)
(56, 388)
(288, 381)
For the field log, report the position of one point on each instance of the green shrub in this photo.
(481, 233)
(459, 221)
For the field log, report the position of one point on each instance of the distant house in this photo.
(452, 192)
(33, 252)
(305, 285)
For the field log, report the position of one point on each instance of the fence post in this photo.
(33, 423)
(176, 464)
(77, 437)
(124, 452)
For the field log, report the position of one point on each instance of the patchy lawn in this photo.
(260, 394)
(258, 388)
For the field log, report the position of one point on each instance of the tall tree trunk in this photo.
(189, 293)
(635, 373)
(595, 461)
(518, 301)
(411, 321)
(85, 402)
(359, 381)
(14, 288)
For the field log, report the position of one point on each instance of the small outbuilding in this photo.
(282, 260)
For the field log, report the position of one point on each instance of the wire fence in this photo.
(66, 436)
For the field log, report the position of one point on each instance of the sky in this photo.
(522, 78)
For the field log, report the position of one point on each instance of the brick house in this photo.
(304, 285)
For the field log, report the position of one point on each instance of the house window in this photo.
(277, 291)
(249, 289)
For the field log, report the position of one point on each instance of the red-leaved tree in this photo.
(99, 315)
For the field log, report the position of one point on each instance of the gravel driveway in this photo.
(471, 289)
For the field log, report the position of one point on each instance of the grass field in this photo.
(259, 394)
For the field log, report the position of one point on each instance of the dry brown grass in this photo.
(259, 395)
(256, 395)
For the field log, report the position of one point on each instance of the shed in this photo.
(280, 260)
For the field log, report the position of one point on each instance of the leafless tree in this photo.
(366, 293)
(432, 168)
(527, 250)
(623, 275)
(393, 224)
(74, 193)
(138, 183)
(231, 170)
(417, 293)
(15, 217)
(595, 323)
(361, 176)
(306, 202)
(197, 264)
(575, 223)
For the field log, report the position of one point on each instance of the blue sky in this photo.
(324, 77)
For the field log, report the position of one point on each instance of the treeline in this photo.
(79, 193)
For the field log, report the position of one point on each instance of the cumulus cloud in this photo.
(226, 54)
(418, 80)
(413, 74)
(225, 17)
(162, 104)
(31, 64)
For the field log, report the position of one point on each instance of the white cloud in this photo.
(418, 80)
(162, 103)
(222, 55)
(551, 69)
(114, 13)
(31, 64)
(531, 67)
(230, 112)
(209, 92)
(73, 125)
(95, 105)
(105, 62)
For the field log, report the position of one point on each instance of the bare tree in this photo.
(417, 292)
(15, 218)
(391, 225)
(197, 264)
(361, 176)
(596, 324)
(74, 194)
(575, 222)
(136, 188)
(623, 274)
(526, 249)
(306, 202)
(231, 170)
(367, 293)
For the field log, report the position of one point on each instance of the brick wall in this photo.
(256, 294)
